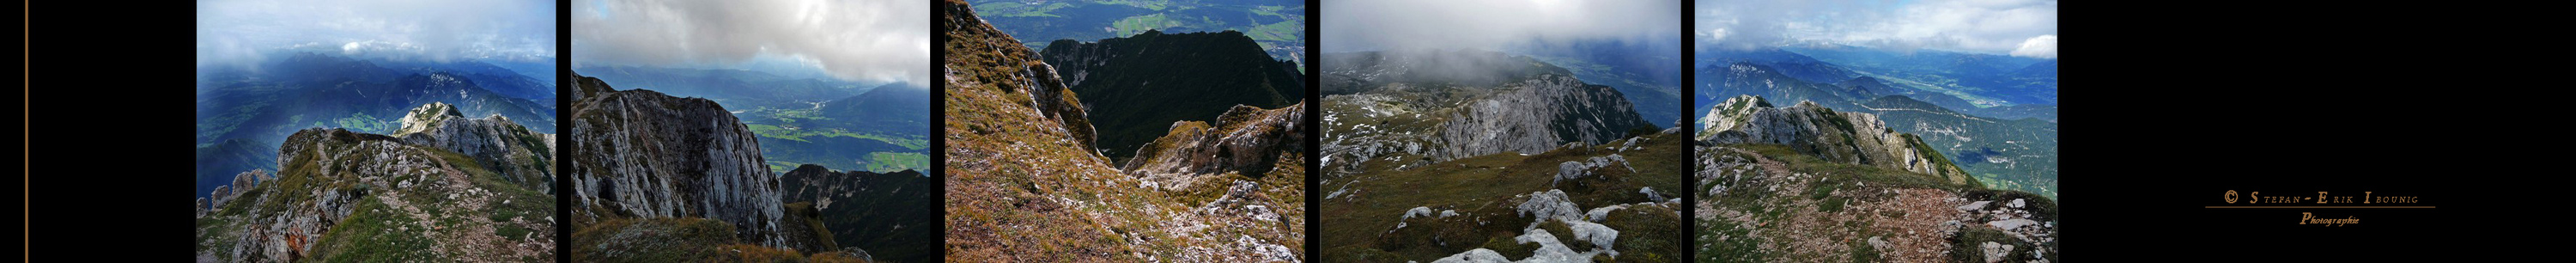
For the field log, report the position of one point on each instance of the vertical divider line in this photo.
(1690, 171)
(563, 133)
(1314, 132)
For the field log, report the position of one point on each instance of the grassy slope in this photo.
(1486, 186)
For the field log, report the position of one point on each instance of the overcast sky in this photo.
(872, 41)
(1362, 25)
(238, 32)
(2017, 27)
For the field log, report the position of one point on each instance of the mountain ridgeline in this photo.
(1429, 106)
(889, 215)
(1026, 182)
(451, 188)
(2016, 154)
(1135, 87)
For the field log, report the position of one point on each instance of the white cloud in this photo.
(870, 40)
(2038, 47)
(1991, 26)
(239, 32)
(1356, 25)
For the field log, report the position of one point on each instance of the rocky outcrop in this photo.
(1535, 115)
(639, 153)
(1135, 87)
(519, 155)
(425, 117)
(1245, 140)
(1417, 107)
(1845, 137)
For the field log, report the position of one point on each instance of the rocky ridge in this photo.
(1404, 109)
(887, 216)
(365, 197)
(1847, 137)
(1134, 87)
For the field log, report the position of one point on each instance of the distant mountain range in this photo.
(740, 89)
(1994, 115)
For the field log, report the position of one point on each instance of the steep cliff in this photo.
(1026, 184)
(1135, 86)
(642, 154)
(346, 196)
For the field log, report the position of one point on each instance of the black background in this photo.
(2173, 104)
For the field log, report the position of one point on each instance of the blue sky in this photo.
(866, 41)
(2025, 28)
(242, 32)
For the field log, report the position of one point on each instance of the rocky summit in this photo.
(643, 154)
(448, 192)
(1847, 137)
(1026, 184)
(1405, 109)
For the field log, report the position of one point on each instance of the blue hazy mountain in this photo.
(1986, 80)
(1278, 25)
(1649, 75)
(735, 88)
(243, 113)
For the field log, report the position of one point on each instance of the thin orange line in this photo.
(2424, 207)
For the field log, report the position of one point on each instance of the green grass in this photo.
(1139, 24)
(1485, 186)
(374, 232)
(889, 162)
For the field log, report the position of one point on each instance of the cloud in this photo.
(869, 40)
(239, 32)
(2038, 47)
(1357, 25)
(1990, 26)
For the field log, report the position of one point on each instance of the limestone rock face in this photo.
(1846, 137)
(644, 154)
(518, 154)
(1536, 115)
(426, 116)
(1246, 140)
